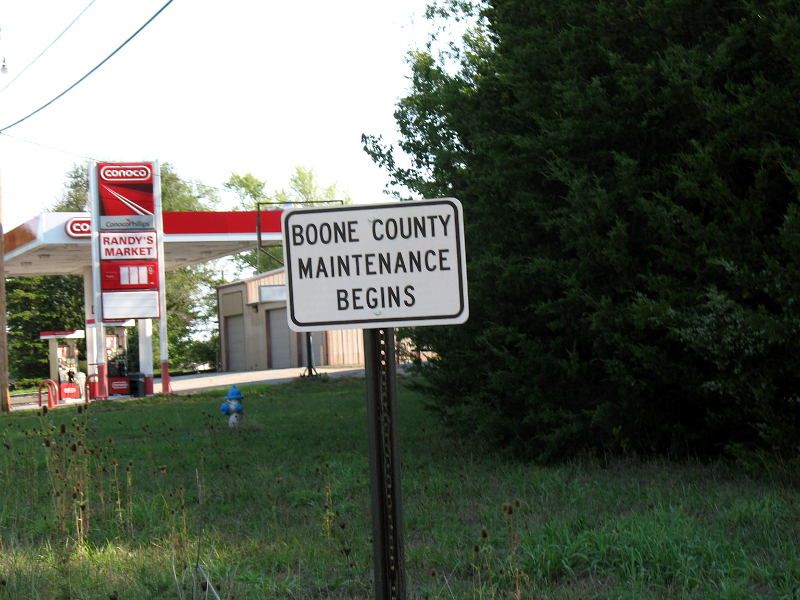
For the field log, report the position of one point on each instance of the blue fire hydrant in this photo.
(232, 407)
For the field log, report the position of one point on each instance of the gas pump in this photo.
(63, 359)
(68, 386)
(117, 362)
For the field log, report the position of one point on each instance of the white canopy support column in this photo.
(163, 339)
(99, 355)
(52, 358)
(89, 320)
(145, 327)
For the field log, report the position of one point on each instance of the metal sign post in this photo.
(310, 370)
(384, 464)
(376, 267)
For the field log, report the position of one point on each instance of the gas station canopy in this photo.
(60, 243)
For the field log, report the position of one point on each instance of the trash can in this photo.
(137, 384)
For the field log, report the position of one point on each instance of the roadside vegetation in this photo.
(157, 498)
(628, 172)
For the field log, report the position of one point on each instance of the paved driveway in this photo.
(185, 384)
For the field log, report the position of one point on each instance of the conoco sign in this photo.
(127, 173)
(79, 227)
(125, 189)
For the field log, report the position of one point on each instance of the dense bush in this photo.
(630, 175)
(24, 384)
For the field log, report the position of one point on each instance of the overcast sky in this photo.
(241, 86)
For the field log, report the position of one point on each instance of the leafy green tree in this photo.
(76, 191)
(304, 189)
(250, 191)
(37, 304)
(179, 195)
(630, 181)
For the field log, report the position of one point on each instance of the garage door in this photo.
(280, 348)
(234, 335)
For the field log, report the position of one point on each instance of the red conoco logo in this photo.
(125, 173)
(79, 227)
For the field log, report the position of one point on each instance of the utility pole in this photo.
(5, 398)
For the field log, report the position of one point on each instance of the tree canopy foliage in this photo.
(251, 193)
(630, 175)
(37, 304)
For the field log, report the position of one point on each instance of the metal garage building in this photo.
(254, 333)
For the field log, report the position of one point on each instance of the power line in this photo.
(100, 64)
(222, 189)
(48, 147)
(50, 45)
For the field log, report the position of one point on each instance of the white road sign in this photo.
(373, 266)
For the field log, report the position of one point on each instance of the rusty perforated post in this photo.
(5, 398)
(384, 461)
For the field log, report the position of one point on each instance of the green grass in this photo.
(153, 498)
